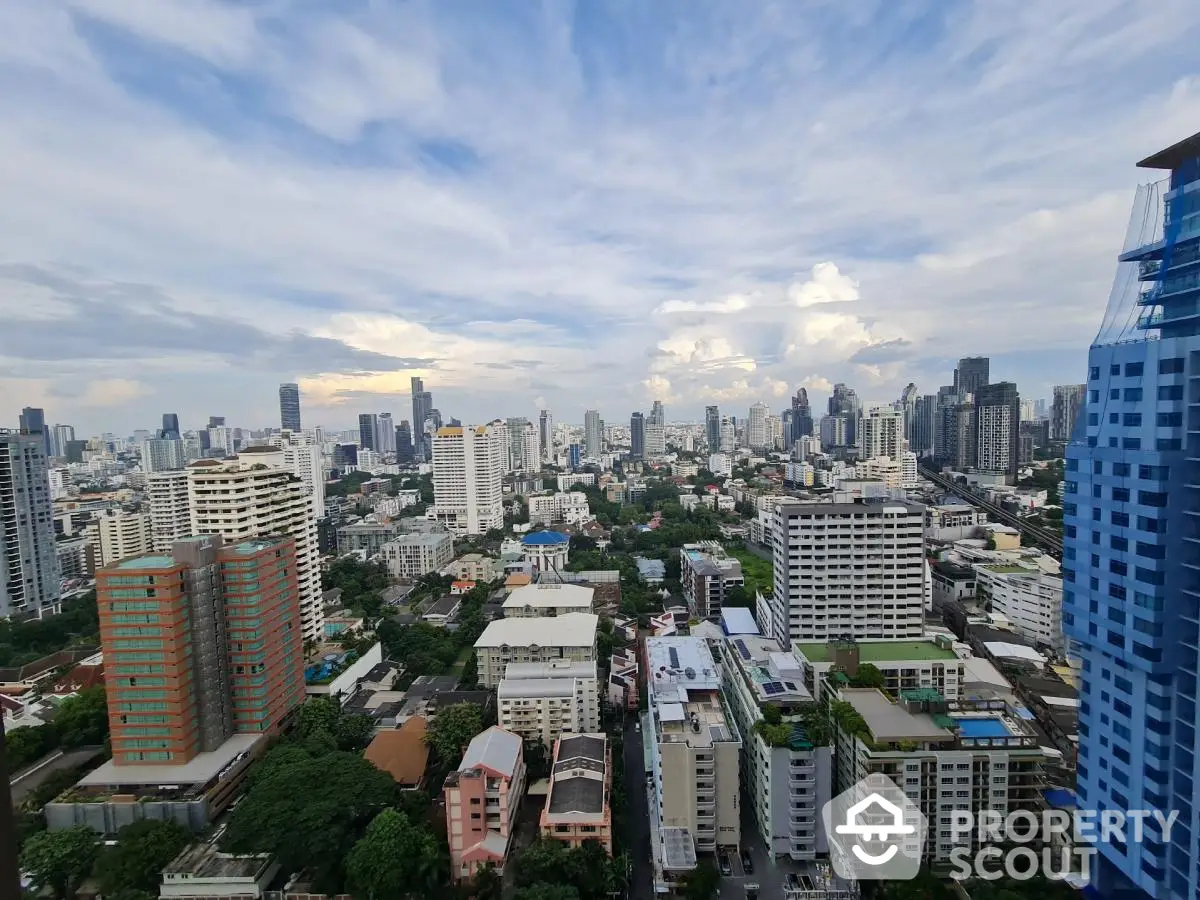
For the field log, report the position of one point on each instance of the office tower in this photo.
(123, 534)
(162, 454)
(289, 407)
(60, 436)
(367, 430)
(1131, 522)
(658, 414)
(385, 434)
(637, 436)
(971, 374)
(1064, 413)
(756, 426)
(170, 513)
(787, 428)
(33, 421)
(521, 453)
(404, 443)
(956, 434)
(29, 570)
(727, 441)
(546, 436)
(422, 404)
(712, 428)
(222, 618)
(468, 468)
(882, 434)
(920, 436)
(654, 439)
(998, 420)
(242, 501)
(593, 434)
(170, 427)
(844, 402)
(847, 569)
(802, 417)
(907, 404)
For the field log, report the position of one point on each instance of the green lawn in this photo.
(759, 573)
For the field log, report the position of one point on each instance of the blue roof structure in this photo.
(545, 538)
(738, 620)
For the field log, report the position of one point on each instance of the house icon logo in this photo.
(876, 833)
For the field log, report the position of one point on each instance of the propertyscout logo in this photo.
(875, 832)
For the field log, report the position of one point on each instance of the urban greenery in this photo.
(451, 730)
(80, 720)
(361, 583)
(78, 625)
(136, 861)
(59, 861)
(395, 859)
(546, 866)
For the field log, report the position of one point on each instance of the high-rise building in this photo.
(955, 434)
(170, 427)
(712, 428)
(170, 513)
(289, 407)
(468, 467)
(593, 434)
(728, 439)
(162, 454)
(242, 501)
(920, 434)
(831, 577)
(29, 568)
(655, 439)
(368, 429)
(299, 454)
(422, 406)
(1131, 544)
(123, 534)
(522, 453)
(908, 406)
(637, 436)
(61, 436)
(404, 443)
(844, 402)
(802, 417)
(33, 421)
(1064, 413)
(835, 431)
(756, 426)
(998, 424)
(658, 414)
(223, 622)
(385, 434)
(882, 434)
(546, 436)
(971, 374)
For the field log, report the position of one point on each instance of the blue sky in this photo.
(566, 204)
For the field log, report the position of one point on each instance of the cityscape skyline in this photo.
(430, 239)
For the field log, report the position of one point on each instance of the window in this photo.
(1120, 519)
(1154, 473)
(1121, 470)
(1093, 396)
(1120, 495)
(1170, 392)
(1172, 366)
(1119, 543)
(1168, 445)
(1115, 418)
(1151, 551)
(1114, 394)
(1114, 369)
(1152, 498)
(1094, 373)
(1132, 444)
(1133, 370)
(1170, 420)
(1132, 420)
(1133, 395)
(1154, 526)
(1093, 418)
(1149, 576)
(1118, 568)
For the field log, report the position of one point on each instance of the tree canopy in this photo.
(452, 729)
(59, 860)
(78, 624)
(587, 871)
(391, 860)
(137, 859)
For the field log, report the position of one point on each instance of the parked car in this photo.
(724, 864)
(747, 862)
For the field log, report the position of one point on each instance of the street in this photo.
(638, 840)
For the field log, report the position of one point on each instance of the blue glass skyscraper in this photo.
(1131, 543)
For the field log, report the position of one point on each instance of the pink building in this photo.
(577, 807)
(482, 800)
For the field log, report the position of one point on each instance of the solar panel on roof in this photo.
(772, 687)
(742, 649)
(791, 685)
(674, 657)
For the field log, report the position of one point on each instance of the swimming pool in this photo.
(982, 728)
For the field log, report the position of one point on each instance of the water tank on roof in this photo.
(690, 673)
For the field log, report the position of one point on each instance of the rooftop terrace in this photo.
(880, 651)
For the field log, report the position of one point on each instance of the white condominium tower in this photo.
(593, 434)
(170, 513)
(881, 433)
(468, 464)
(29, 569)
(847, 570)
(240, 500)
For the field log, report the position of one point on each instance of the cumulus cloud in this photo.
(730, 304)
(826, 285)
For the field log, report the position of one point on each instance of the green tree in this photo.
(545, 891)
(736, 595)
(452, 729)
(701, 883)
(83, 719)
(386, 862)
(487, 885)
(868, 676)
(59, 861)
(27, 745)
(137, 859)
(308, 809)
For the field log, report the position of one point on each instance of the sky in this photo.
(564, 205)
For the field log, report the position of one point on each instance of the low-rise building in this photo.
(548, 599)
(535, 639)
(402, 753)
(948, 756)
(1030, 597)
(707, 573)
(482, 800)
(694, 761)
(203, 872)
(546, 551)
(366, 537)
(905, 665)
(442, 611)
(787, 773)
(569, 507)
(474, 567)
(623, 680)
(577, 805)
(541, 701)
(409, 556)
(953, 521)
(951, 582)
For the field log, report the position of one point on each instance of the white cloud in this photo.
(730, 304)
(827, 285)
